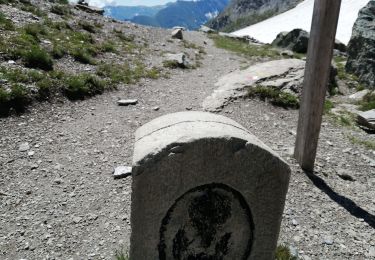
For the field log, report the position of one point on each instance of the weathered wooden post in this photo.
(319, 56)
(204, 188)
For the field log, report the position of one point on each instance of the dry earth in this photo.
(59, 200)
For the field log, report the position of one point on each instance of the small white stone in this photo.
(156, 108)
(24, 147)
(31, 153)
(122, 172)
(126, 102)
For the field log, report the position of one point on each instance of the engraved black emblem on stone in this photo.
(209, 222)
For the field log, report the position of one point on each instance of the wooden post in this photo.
(319, 56)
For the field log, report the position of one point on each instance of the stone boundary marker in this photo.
(204, 187)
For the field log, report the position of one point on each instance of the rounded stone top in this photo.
(186, 127)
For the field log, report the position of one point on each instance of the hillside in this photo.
(300, 17)
(241, 13)
(63, 132)
(189, 14)
(129, 12)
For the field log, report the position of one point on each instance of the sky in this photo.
(101, 3)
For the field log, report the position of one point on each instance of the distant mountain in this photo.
(189, 14)
(129, 12)
(242, 13)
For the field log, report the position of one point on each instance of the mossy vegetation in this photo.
(366, 143)
(283, 253)
(274, 96)
(5, 23)
(351, 80)
(328, 106)
(243, 48)
(368, 102)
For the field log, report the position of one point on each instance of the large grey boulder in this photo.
(297, 40)
(179, 60)
(177, 34)
(285, 75)
(204, 187)
(361, 48)
(367, 119)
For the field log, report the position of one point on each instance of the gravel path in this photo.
(59, 200)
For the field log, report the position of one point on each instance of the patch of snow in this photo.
(300, 17)
(211, 15)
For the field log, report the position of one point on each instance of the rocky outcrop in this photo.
(242, 13)
(367, 119)
(361, 48)
(90, 9)
(297, 40)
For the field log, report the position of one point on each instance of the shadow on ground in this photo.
(343, 201)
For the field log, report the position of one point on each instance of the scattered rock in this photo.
(90, 9)
(297, 40)
(345, 175)
(206, 29)
(24, 147)
(177, 34)
(34, 166)
(156, 108)
(122, 172)
(127, 102)
(179, 59)
(244, 38)
(31, 153)
(328, 240)
(286, 75)
(359, 95)
(179, 28)
(367, 119)
(371, 252)
(361, 48)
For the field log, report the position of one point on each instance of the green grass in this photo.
(38, 58)
(84, 85)
(243, 48)
(328, 106)
(283, 253)
(5, 23)
(274, 96)
(87, 26)
(61, 9)
(16, 98)
(351, 80)
(368, 102)
(125, 73)
(366, 143)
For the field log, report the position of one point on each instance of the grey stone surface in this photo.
(361, 48)
(283, 74)
(367, 119)
(204, 186)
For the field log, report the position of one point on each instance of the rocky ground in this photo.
(59, 200)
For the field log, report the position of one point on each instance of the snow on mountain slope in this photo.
(300, 17)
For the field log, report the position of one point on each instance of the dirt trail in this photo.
(63, 203)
